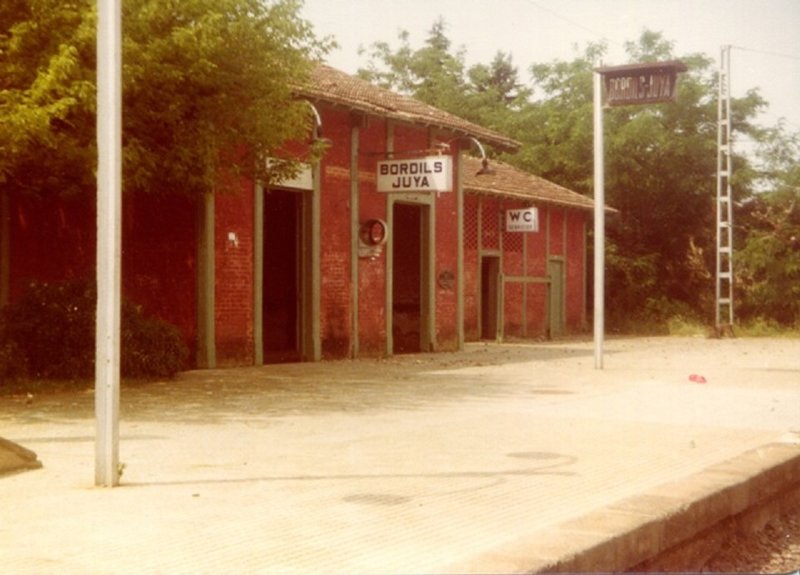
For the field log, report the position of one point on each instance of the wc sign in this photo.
(526, 220)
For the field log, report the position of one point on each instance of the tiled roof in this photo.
(335, 87)
(508, 181)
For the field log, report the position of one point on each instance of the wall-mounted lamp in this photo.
(317, 134)
(317, 120)
(485, 170)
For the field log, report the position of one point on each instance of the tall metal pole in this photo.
(599, 224)
(723, 309)
(109, 216)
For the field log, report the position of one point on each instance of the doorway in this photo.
(282, 283)
(490, 297)
(410, 278)
(555, 269)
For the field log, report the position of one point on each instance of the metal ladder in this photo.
(723, 313)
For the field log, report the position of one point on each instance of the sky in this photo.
(764, 34)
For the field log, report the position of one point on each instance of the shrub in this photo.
(151, 347)
(53, 327)
(12, 362)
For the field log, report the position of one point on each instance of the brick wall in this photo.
(159, 267)
(234, 285)
(335, 315)
(575, 270)
(371, 272)
(54, 239)
(471, 268)
(561, 233)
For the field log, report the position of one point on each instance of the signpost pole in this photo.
(109, 216)
(647, 83)
(599, 224)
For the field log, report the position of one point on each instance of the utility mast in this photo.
(723, 309)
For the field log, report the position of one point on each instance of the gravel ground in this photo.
(774, 549)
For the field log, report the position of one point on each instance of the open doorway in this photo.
(410, 314)
(490, 296)
(282, 284)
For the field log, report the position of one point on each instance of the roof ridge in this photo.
(331, 85)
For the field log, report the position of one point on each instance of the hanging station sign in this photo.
(428, 174)
(648, 83)
(525, 220)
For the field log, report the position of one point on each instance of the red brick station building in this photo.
(396, 241)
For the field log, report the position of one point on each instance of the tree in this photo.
(46, 95)
(660, 173)
(431, 74)
(767, 266)
(209, 84)
(206, 84)
(660, 159)
(436, 75)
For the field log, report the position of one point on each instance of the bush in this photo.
(12, 362)
(53, 327)
(150, 347)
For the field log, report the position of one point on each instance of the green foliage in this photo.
(51, 328)
(761, 327)
(660, 164)
(207, 84)
(484, 94)
(47, 95)
(768, 266)
(683, 327)
(767, 248)
(150, 346)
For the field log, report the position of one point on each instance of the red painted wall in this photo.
(371, 272)
(561, 234)
(53, 239)
(233, 292)
(576, 271)
(446, 253)
(471, 268)
(335, 316)
(159, 254)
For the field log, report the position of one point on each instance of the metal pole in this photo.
(599, 224)
(109, 216)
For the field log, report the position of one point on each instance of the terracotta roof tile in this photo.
(333, 86)
(511, 182)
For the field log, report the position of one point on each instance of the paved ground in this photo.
(425, 463)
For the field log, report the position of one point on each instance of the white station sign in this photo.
(526, 220)
(429, 174)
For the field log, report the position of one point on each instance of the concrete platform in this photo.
(501, 458)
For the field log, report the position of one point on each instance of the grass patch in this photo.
(680, 326)
(760, 327)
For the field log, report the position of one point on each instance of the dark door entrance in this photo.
(407, 278)
(282, 281)
(490, 294)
